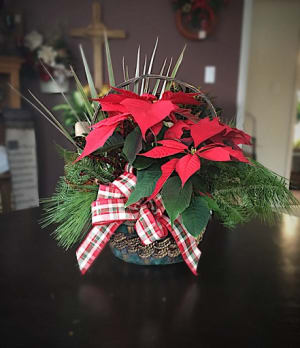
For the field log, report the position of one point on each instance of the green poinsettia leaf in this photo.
(113, 142)
(212, 204)
(142, 162)
(146, 181)
(199, 185)
(175, 197)
(196, 216)
(133, 144)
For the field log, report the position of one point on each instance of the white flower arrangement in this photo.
(33, 40)
(54, 54)
(48, 55)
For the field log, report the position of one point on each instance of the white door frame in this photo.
(243, 65)
(292, 123)
(243, 79)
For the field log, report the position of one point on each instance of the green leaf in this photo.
(78, 100)
(176, 67)
(111, 76)
(178, 63)
(133, 144)
(80, 89)
(137, 70)
(142, 162)
(163, 88)
(124, 73)
(62, 107)
(49, 116)
(196, 216)
(155, 89)
(88, 76)
(144, 73)
(150, 65)
(199, 185)
(175, 197)
(212, 204)
(113, 142)
(146, 181)
(152, 56)
(69, 121)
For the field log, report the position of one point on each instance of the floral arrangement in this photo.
(52, 53)
(195, 19)
(156, 163)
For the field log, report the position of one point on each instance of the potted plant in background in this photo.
(76, 107)
(154, 164)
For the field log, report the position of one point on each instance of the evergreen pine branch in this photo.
(70, 206)
(70, 209)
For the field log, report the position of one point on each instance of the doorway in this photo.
(269, 88)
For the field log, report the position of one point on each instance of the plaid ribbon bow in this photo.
(109, 212)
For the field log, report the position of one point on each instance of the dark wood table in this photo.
(247, 293)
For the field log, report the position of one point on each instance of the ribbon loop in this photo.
(109, 212)
(147, 228)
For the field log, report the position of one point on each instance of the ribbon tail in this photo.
(93, 244)
(186, 243)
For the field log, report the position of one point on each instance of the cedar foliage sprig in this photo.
(85, 170)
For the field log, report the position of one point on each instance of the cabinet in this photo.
(9, 73)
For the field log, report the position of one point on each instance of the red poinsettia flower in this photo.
(203, 132)
(207, 128)
(234, 136)
(181, 98)
(176, 131)
(145, 110)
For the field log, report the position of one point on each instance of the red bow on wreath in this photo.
(109, 212)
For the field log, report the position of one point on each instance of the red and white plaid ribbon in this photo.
(109, 212)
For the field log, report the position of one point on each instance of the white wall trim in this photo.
(292, 120)
(243, 66)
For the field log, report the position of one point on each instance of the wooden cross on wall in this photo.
(95, 31)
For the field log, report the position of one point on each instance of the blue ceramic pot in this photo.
(126, 245)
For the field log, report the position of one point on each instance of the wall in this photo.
(271, 80)
(143, 21)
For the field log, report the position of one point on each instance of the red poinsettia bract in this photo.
(145, 110)
(212, 134)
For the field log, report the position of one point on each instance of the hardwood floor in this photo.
(246, 294)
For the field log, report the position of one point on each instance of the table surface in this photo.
(247, 293)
